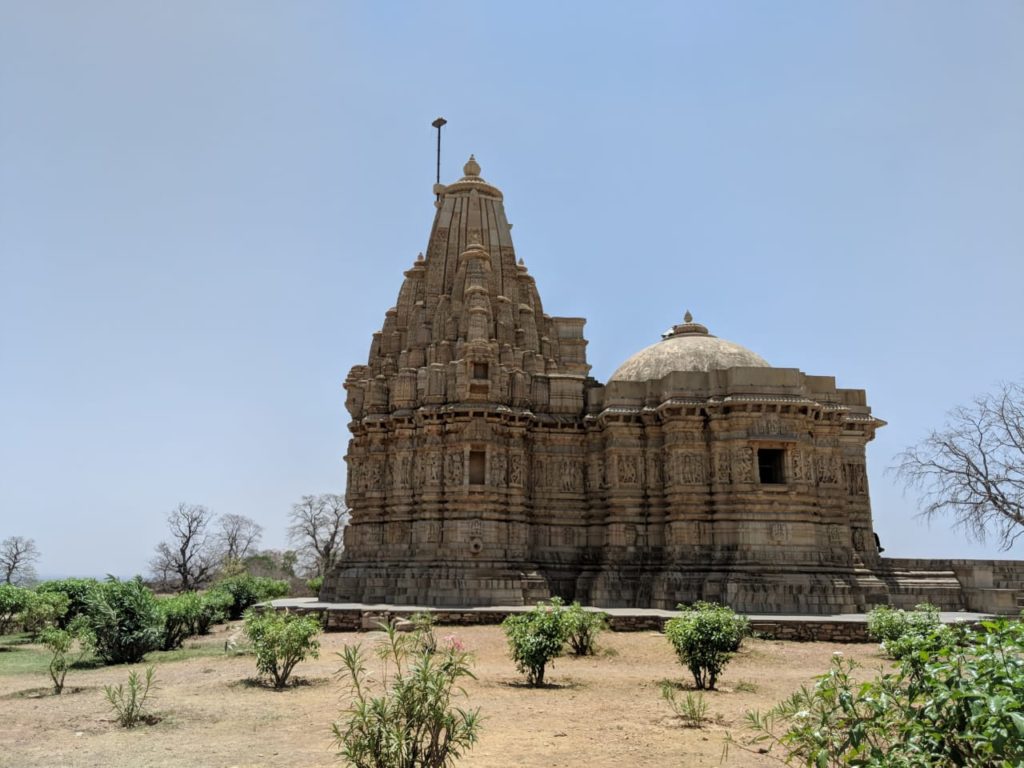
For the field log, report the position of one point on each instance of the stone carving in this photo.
(778, 532)
(629, 470)
(498, 469)
(723, 467)
(689, 469)
(856, 479)
(516, 471)
(571, 474)
(453, 469)
(742, 466)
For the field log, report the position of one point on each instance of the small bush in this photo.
(535, 638)
(215, 607)
(314, 585)
(692, 709)
(180, 615)
(77, 591)
(12, 602)
(409, 719)
(423, 625)
(246, 591)
(125, 620)
(280, 641)
(705, 636)
(582, 628)
(903, 633)
(68, 647)
(129, 704)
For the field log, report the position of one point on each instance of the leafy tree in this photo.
(535, 638)
(407, 716)
(125, 620)
(188, 560)
(317, 528)
(973, 468)
(18, 557)
(42, 610)
(705, 636)
(280, 641)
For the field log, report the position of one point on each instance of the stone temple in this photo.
(487, 467)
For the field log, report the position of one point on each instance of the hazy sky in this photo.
(206, 209)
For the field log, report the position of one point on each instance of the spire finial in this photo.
(687, 318)
(472, 167)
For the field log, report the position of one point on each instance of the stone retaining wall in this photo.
(809, 629)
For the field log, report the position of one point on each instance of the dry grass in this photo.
(600, 711)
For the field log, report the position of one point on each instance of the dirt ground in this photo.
(600, 711)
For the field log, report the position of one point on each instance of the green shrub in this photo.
(958, 705)
(125, 620)
(68, 647)
(903, 633)
(705, 636)
(215, 608)
(280, 641)
(409, 718)
(582, 628)
(130, 705)
(692, 709)
(42, 610)
(535, 638)
(180, 615)
(247, 590)
(314, 584)
(12, 602)
(77, 591)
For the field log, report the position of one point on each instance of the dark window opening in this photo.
(480, 371)
(771, 465)
(477, 464)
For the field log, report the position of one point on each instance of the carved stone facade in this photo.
(487, 467)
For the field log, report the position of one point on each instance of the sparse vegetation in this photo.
(705, 636)
(691, 709)
(129, 704)
(406, 717)
(280, 641)
(67, 646)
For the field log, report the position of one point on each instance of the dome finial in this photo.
(472, 167)
(687, 318)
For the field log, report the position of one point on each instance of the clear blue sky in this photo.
(206, 209)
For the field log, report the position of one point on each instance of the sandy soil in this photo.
(601, 711)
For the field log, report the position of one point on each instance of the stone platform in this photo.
(836, 628)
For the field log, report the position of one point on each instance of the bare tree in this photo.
(317, 525)
(189, 559)
(18, 557)
(237, 537)
(973, 469)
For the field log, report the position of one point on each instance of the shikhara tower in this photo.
(486, 467)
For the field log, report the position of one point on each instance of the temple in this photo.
(487, 467)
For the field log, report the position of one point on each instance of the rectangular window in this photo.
(477, 466)
(480, 372)
(771, 464)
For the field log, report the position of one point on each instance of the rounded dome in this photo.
(687, 347)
